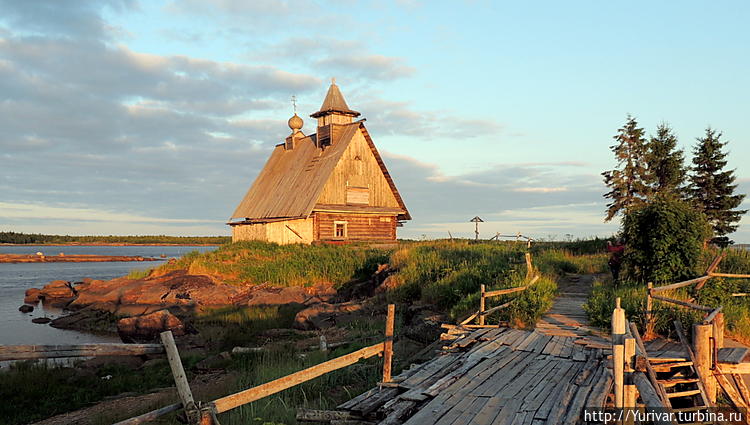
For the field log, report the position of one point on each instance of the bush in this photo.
(663, 241)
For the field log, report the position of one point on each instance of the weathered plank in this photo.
(23, 352)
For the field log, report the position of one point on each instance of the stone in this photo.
(26, 309)
(41, 320)
(149, 326)
(325, 315)
(57, 289)
(32, 296)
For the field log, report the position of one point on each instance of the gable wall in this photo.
(364, 172)
(276, 231)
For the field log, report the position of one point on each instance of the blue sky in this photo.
(127, 117)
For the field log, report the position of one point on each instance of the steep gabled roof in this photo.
(334, 102)
(292, 180)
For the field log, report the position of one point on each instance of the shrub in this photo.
(663, 241)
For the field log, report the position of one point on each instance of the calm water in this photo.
(16, 327)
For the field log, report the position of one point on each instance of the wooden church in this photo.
(331, 186)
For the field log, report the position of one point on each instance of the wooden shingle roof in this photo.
(334, 102)
(292, 180)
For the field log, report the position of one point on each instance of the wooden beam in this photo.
(22, 352)
(256, 393)
(715, 263)
(650, 319)
(648, 393)
(310, 415)
(680, 284)
(180, 379)
(731, 275)
(712, 315)
(482, 301)
(388, 343)
(702, 358)
(651, 374)
(742, 387)
(151, 416)
(739, 368)
(618, 353)
(702, 379)
(470, 318)
(496, 308)
(682, 303)
(729, 390)
(506, 291)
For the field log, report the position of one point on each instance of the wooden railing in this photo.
(481, 314)
(206, 413)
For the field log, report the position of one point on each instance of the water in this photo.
(16, 327)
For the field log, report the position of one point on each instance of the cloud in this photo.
(363, 66)
(47, 212)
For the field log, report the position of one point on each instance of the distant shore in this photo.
(107, 244)
(36, 258)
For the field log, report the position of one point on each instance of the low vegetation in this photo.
(41, 239)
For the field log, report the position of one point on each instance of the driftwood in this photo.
(21, 352)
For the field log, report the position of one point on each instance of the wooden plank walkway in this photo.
(494, 376)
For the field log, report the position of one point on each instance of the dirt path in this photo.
(567, 317)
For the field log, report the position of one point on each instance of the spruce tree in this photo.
(627, 183)
(712, 188)
(665, 163)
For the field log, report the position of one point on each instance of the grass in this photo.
(288, 265)
(139, 274)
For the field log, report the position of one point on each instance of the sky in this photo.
(154, 117)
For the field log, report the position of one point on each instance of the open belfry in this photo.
(331, 186)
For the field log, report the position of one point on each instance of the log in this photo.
(649, 329)
(482, 300)
(256, 393)
(703, 384)
(680, 284)
(710, 317)
(23, 352)
(731, 275)
(651, 374)
(702, 362)
(310, 415)
(729, 390)
(714, 264)
(180, 379)
(682, 303)
(630, 396)
(388, 343)
(647, 391)
(496, 308)
(742, 387)
(151, 416)
(618, 353)
(507, 291)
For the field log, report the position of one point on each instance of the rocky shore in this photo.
(138, 309)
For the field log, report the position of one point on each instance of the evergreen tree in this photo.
(665, 163)
(712, 188)
(627, 183)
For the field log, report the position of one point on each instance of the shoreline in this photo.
(108, 244)
(73, 258)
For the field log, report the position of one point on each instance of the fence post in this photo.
(529, 266)
(481, 304)
(649, 331)
(388, 344)
(180, 379)
(629, 397)
(718, 324)
(703, 352)
(618, 351)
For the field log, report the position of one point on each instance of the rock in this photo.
(57, 289)
(325, 315)
(41, 320)
(87, 320)
(32, 296)
(149, 326)
(26, 309)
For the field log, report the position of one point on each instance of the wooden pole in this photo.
(718, 324)
(649, 311)
(629, 396)
(388, 343)
(618, 351)
(482, 295)
(529, 266)
(702, 385)
(180, 379)
(702, 349)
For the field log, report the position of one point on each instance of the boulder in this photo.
(41, 320)
(26, 309)
(325, 315)
(57, 289)
(149, 326)
(32, 296)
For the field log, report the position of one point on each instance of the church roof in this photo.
(292, 180)
(334, 102)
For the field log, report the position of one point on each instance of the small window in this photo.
(339, 229)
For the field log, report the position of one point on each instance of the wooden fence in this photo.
(206, 413)
(481, 314)
(713, 315)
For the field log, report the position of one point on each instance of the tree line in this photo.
(653, 169)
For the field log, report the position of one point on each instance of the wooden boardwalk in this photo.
(493, 376)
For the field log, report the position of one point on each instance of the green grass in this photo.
(139, 274)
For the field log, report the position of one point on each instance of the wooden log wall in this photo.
(359, 227)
